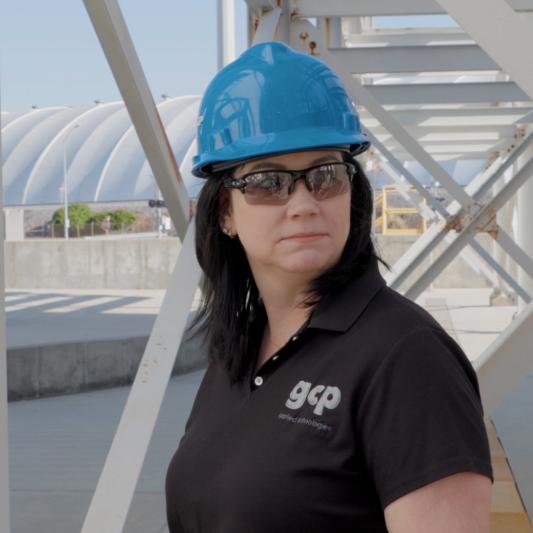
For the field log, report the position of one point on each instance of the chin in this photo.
(309, 265)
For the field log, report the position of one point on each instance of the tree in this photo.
(78, 214)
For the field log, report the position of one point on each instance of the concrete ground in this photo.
(67, 315)
(58, 445)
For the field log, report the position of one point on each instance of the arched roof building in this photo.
(105, 160)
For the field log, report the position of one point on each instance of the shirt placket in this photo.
(259, 377)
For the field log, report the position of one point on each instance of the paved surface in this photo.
(58, 445)
(61, 316)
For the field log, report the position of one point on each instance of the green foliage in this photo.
(81, 214)
(78, 214)
(121, 218)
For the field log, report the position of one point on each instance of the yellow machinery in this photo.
(393, 219)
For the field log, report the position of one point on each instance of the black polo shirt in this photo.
(368, 401)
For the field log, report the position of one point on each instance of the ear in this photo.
(225, 210)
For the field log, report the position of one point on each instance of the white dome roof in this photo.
(105, 160)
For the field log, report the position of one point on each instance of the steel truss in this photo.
(472, 210)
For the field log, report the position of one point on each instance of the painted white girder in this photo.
(479, 218)
(267, 26)
(114, 492)
(404, 139)
(363, 96)
(365, 8)
(411, 38)
(482, 116)
(504, 35)
(434, 208)
(447, 93)
(4, 429)
(449, 133)
(477, 190)
(402, 59)
(225, 32)
(503, 365)
(120, 52)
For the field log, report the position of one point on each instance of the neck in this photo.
(282, 298)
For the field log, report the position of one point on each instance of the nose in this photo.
(301, 201)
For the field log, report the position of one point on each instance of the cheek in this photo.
(256, 228)
(340, 219)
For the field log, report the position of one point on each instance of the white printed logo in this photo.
(320, 396)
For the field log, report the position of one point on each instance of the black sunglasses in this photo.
(273, 187)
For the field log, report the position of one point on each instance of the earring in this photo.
(228, 232)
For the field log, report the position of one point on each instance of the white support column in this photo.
(116, 486)
(268, 24)
(331, 29)
(505, 363)
(226, 32)
(478, 219)
(504, 35)
(119, 50)
(4, 441)
(112, 499)
(525, 221)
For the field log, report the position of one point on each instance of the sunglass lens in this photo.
(329, 181)
(268, 188)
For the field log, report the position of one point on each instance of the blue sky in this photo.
(50, 54)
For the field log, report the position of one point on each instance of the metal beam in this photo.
(402, 59)
(505, 363)
(482, 116)
(428, 242)
(118, 48)
(111, 501)
(267, 26)
(411, 38)
(474, 150)
(478, 219)
(399, 170)
(430, 212)
(447, 93)
(363, 96)
(449, 133)
(112, 498)
(4, 440)
(366, 8)
(225, 32)
(504, 35)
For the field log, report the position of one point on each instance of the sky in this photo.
(50, 54)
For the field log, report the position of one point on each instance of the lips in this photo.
(306, 235)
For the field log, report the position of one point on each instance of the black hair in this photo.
(231, 300)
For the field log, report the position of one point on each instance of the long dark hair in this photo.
(230, 296)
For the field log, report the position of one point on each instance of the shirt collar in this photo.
(338, 311)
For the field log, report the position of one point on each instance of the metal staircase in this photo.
(426, 95)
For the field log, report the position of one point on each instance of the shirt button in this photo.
(295, 337)
(258, 381)
(274, 357)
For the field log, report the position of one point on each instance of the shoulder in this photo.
(396, 333)
(399, 312)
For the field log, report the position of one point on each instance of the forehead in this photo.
(292, 160)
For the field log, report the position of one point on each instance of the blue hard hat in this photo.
(273, 100)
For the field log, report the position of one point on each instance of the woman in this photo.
(331, 403)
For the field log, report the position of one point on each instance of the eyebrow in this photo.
(280, 166)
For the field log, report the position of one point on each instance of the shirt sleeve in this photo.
(420, 418)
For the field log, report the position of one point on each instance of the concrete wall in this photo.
(147, 263)
(90, 264)
(49, 370)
